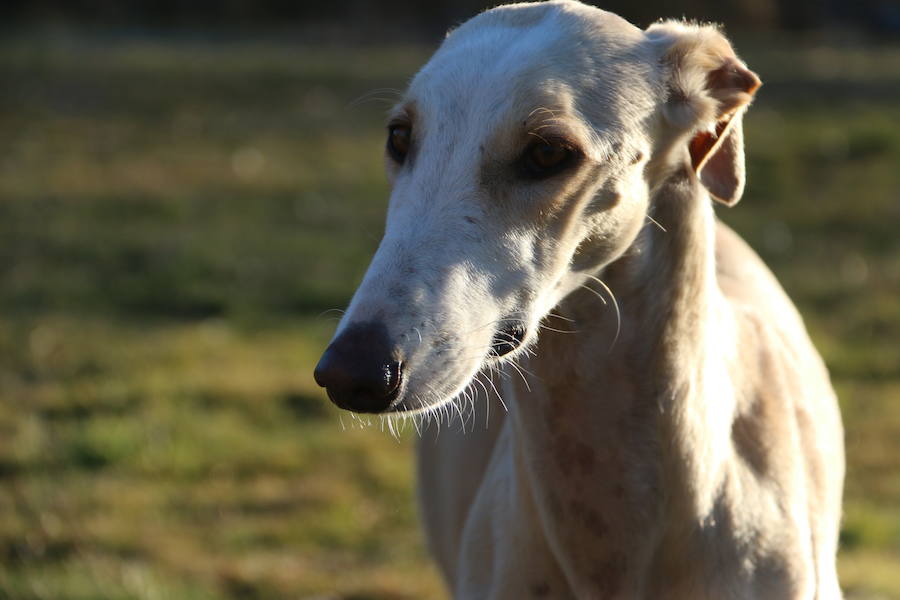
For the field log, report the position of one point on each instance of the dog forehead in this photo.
(563, 17)
(521, 54)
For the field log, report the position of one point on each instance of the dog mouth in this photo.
(507, 339)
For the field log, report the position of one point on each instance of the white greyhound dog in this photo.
(683, 442)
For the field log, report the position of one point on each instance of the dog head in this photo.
(522, 159)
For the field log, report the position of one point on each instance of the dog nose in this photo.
(360, 369)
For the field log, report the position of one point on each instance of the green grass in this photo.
(174, 218)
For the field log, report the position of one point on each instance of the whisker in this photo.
(521, 374)
(595, 292)
(559, 316)
(548, 328)
(655, 222)
(371, 95)
(615, 305)
(550, 122)
(487, 399)
(540, 137)
(491, 371)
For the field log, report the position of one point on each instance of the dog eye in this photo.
(545, 159)
(398, 141)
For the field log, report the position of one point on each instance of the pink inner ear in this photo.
(723, 172)
(703, 143)
(718, 160)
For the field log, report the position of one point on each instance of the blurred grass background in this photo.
(176, 215)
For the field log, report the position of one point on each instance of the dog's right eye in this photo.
(398, 141)
(546, 159)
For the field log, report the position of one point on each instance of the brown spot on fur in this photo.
(573, 456)
(555, 505)
(608, 574)
(563, 454)
(553, 412)
(585, 457)
(589, 517)
(540, 589)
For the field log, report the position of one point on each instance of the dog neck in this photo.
(627, 428)
(685, 332)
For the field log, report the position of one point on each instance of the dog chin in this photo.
(410, 404)
(410, 408)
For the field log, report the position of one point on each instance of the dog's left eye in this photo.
(398, 141)
(545, 159)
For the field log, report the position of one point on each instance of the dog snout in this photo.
(361, 370)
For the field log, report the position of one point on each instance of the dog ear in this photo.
(709, 89)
